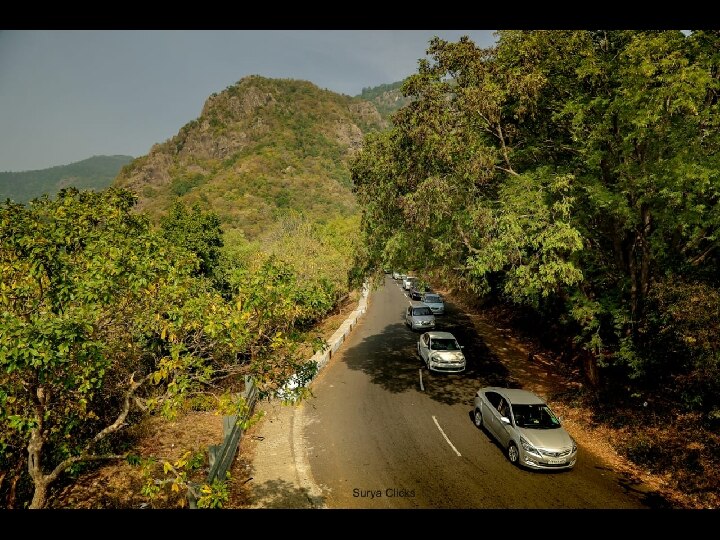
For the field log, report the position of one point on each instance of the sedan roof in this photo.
(516, 395)
(440, 335)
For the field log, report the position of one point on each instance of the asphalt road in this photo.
(374, 439)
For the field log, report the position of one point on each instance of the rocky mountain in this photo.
(260, 148)
(387, 98)
(96, 173)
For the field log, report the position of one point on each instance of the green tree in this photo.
(441, 192)
(98, 316)
(197, 231)
(574, 171)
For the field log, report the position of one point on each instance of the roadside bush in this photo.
(647, 452)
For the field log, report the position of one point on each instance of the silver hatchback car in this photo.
(525, 427)
(419, 316)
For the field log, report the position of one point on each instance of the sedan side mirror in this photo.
(505, 420)
(462, 346)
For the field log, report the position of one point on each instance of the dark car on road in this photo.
(418, 290)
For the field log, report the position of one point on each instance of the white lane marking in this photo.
(446, 437)
(405, 295)
(421, 383)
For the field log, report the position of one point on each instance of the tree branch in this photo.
(115, 426)
(510, 171)
(466, 241)
(701, 258)
(504, 149)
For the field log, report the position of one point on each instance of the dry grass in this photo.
(118, 484)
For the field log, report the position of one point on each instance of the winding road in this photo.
(383, 432)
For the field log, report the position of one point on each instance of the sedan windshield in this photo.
(434, 298)
(444, 345)
(535, 417)
(422, 311)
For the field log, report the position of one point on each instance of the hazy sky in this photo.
(67, 95)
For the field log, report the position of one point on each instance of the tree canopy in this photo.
(104, 320)
(574, 172)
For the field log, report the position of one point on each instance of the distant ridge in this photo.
(387, 98)
(95, 173)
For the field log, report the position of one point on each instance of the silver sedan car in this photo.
(525, 427)
(434, 301)
(440, 352)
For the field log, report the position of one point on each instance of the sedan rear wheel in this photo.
(477, 418)
(513, 454)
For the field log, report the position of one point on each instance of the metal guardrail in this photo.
(222, 455)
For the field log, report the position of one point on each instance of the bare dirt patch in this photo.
(118, 484)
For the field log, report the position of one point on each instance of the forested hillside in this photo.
(261, 149)
(211, 259)
(96, 172)
(576, 176)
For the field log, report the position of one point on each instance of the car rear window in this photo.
(422, 311)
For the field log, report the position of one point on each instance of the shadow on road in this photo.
(282, 494)
(390, 358)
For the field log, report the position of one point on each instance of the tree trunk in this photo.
(12, 493)
(39, 495)
(35, 448)
(618, 239)
(645, 253)
(37, 440)
(632, 269)
(639, 260)
(34, 466)
(639, 267)
(590, 368)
